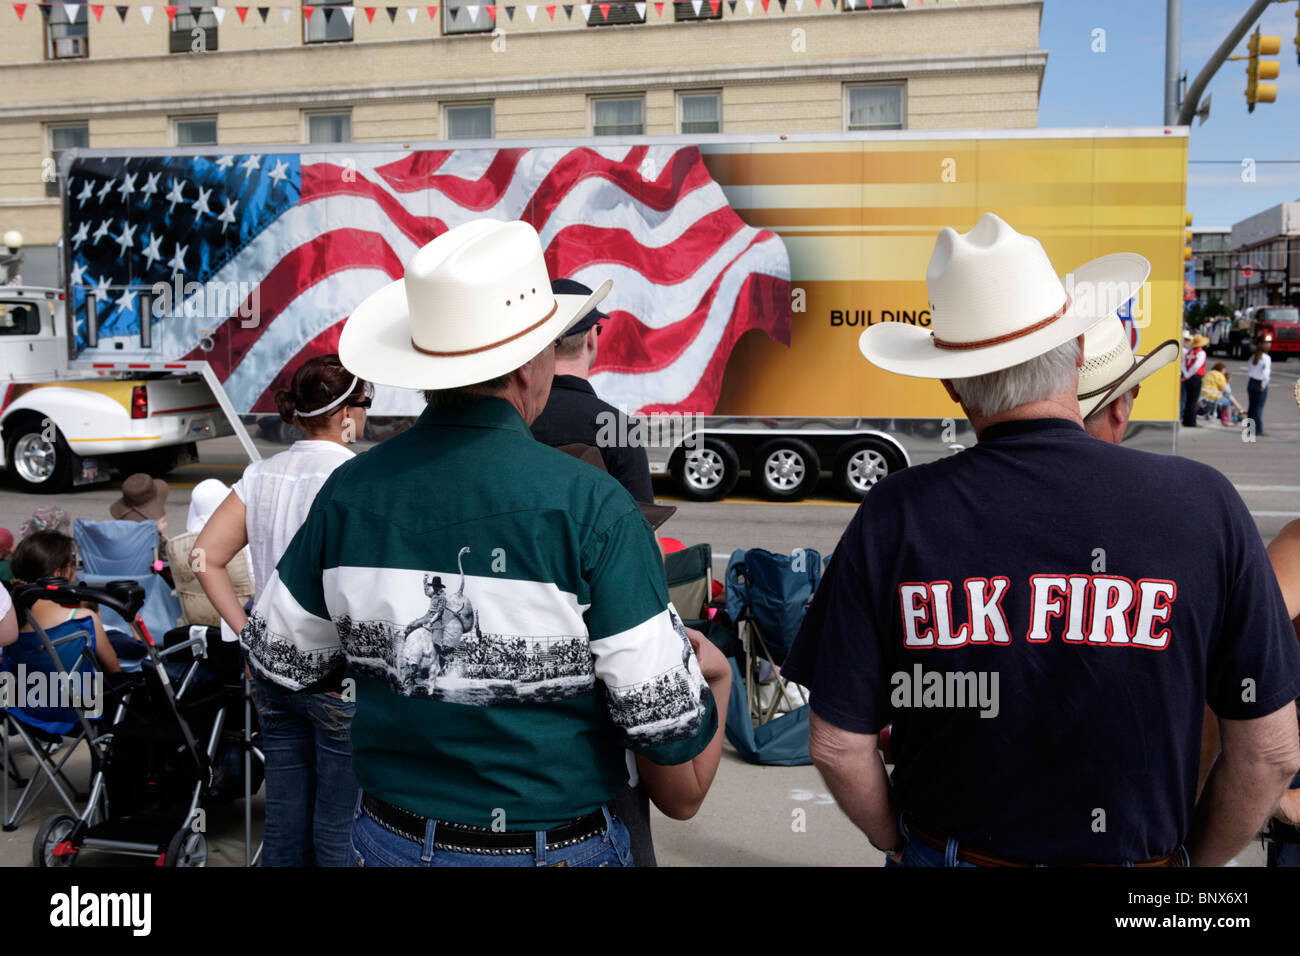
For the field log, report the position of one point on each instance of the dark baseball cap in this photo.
(570, 287)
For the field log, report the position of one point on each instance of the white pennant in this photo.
(348, 13)
(532, 13)
(146, 12)
(640, 11)
(412, 12)
(284, 14)
(749, 6)
(219, 13)
(473, 12)
(798, 5)
(696, 5)
(586, 11)
(852, 4)
(71, 10)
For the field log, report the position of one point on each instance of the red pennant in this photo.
(370, 14)
(713, 6)
(98, 10)
(20, 9)
(550, 11)
(765, 5)
(604, 10)
(241, 12)
(819, 4)
(308, 10)
(659, 9)
(492, 13)
(171, 15)
(433, 12)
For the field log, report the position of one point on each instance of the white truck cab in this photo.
(66, 423)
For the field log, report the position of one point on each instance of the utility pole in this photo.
(1173, 57)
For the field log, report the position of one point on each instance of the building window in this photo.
(873, 107)
(460, 19)
(624, 116)
(61, 138)
(196, 131)
(617, 13)
(65, 38)
(327, 23)
(193, 33)
(329, 127)
(699, 112)
(468, 121)
(701, 10)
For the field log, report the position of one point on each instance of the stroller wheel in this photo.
(187, 848)
(53, 832)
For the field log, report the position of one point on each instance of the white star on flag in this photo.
(126, 301)
(146, 12)
(128, 184)
(102, 231)
(251, 164)
(278, 172)
(107, 188)
(200, 205)
(348, 13)
(86, 193)
(127, 239)
(227, 217)
(150, 185)
(100, 291)
(151, 252)
(177, 195)
(82, 232)
(218, 13)
(78, 271)
(177, 262)
(531, 10)
(225, 162)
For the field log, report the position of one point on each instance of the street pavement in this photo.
(753, 815)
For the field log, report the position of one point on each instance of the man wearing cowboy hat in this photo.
(511, 754)
(1193, 373)
(1111, 376)
(1052, 568)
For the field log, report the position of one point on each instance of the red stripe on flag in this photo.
(410, 174)
(577, 247)
(320, 180)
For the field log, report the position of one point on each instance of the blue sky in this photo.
(1124, 86)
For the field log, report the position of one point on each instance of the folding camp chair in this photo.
(767, 596)
(125, 550)
(690, 581)
(63, 656)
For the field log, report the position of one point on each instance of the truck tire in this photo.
(786, 469)
(708, 473)
(861, 464)
(36, 463)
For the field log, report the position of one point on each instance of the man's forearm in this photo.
(1236, 802)
(860, 786)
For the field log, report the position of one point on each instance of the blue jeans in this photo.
(310, 790)
(1258, 395)
(918, 853)
(373, 845)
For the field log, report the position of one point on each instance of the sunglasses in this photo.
(364, 403)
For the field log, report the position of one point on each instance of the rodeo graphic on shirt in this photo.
(1098, 610)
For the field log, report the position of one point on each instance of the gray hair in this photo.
(1039, 378)
(1099, 414)
(466, 394)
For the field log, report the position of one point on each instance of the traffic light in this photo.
(1187, 238)
(1257, 69)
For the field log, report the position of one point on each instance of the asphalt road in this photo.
(752, 816)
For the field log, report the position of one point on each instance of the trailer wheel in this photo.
(37, 461)
(53, 832)
(861, 465)
(187, 849)
(786, 469)
(708, 473)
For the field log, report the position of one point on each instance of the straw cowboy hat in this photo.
(1109, 366)
(474, 304)
(996, 301)
(143, 499)
(1200, 341)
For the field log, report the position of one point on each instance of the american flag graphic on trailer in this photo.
(264, 256)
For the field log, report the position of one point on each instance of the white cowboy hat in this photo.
(996, 301)
(474, 304)
(1109, 366)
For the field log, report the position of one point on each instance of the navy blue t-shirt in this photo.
(1113, 593)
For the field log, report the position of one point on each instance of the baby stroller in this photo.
(180, 730)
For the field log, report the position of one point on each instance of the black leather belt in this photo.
(463, 838)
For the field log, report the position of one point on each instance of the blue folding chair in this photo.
(65, 668)
(120, 550)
